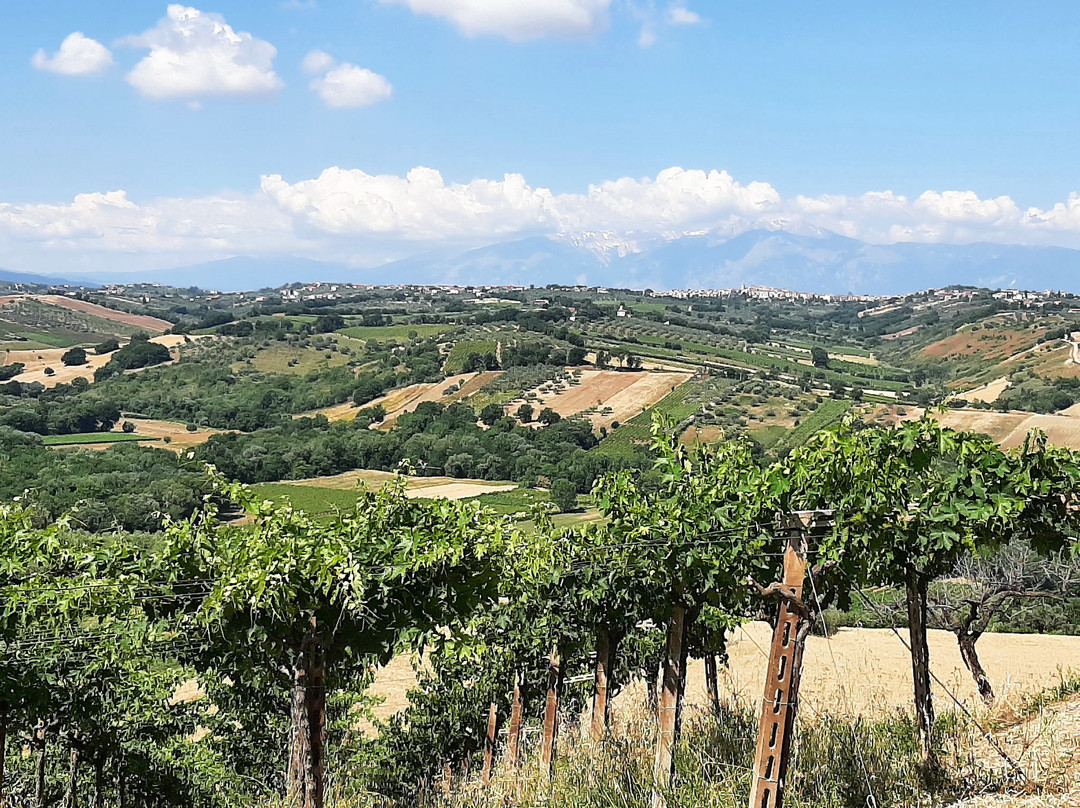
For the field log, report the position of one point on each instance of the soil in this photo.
(627, 393)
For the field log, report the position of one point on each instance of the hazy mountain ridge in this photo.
(824, 263)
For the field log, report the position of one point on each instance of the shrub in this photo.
(73, 357)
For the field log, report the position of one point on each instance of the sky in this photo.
(141, 135)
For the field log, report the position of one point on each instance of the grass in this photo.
(310, 498)
(679, 404)
(455, 360)
(828, 413)
(520, 500)
(277, 359)
(399, 332)
(90, 438)
(836, 763)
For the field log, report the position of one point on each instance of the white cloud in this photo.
(681, 15)
(517, 19)
(350, 86)
(363, 219)
(317, 61)
(196, 54)
(420, 205)
(78, 56)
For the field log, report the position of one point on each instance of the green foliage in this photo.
(74, 356)
(564, 495)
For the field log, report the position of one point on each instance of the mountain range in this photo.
(820, 263)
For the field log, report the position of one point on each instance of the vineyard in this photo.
(229, 662)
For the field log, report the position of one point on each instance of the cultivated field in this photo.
(417, 487)
(1006, 428)
(613, 395)
(152, 324)
(871, 675)
(988, 392)
(36, 361)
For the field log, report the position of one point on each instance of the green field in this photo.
(85, 438)
(394, 331)
(463, 348)
(827, 414)
(310, 498)
(680, 403)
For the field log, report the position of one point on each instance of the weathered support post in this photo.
(781, 679)
(489, 742)
(664, 762)
(513, 746)
(551, 712)
(600, 684)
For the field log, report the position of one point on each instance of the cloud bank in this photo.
(364, 219)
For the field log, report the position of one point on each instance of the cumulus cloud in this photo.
(419, 206)
(317, 61)
(681, 15)
(349, 215)
(517, 20)
(351, 86)
(79, 55)
(196, 54)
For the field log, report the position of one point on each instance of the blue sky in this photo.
(826, 101)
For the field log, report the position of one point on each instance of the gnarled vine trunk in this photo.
(98, 800)
(517, 707)
(39, 772)
(71, 793)
(971, 661)
(305, 781)
(606, 649)
(668, 729)
(712, 682)
(920, 663)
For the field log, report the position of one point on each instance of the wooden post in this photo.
(600, 684)
(489, 742)
(513, 746)
(551, 712)
(664, 762)
(779, 704)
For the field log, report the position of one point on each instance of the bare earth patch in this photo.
(988, 392)
(626, 393)
(416, 487)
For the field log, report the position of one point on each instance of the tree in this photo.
(910, 502)
(128, 427)
(107, 347)
(703, 490)
(990, 583)
(310, 604)
(74, 356)
(548, 416)
(525, 413)
(819, 357)
(564, 495)
(491, 413)
(603, 359)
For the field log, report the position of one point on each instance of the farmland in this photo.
(561, 464)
